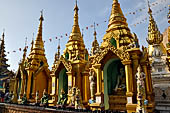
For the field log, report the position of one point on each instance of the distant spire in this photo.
(3, 45)
(32, 43)
(154, 35)
(57, 55)
(95, 44)
(41, 17)
(25, 51)
(95, 31)
(3, 34)
(3, 60)
(149, 7)
(58, 48)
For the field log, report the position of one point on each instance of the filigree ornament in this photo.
(66, 64)
(123, 55)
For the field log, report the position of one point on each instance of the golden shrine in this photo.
(105, 79)
(71, 69)
(33, 73)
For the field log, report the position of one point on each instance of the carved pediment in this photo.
(122, 54)
(66, 64)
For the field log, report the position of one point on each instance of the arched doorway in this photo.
(113, 73)
(62, 82)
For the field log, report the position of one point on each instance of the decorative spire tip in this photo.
(149, 11)
(95, 29)
(76, 6)
(3, 34)
(25, 41)
(41, 17)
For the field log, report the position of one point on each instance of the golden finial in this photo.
(3, 34)
(57, 55)
(25, 41)
(76, 28)
(41, 17)
(58, 47)
(154, 35)
(115, 1)
(25, 51)
(95, 30)
(76, 7)
(32, 43)
(95, 44)
(149, 11)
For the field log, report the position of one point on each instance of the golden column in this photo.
(148, 81)
(54, 87)
(22, 86)
(99, 78)
(85, 87)
(15, 91)
(30, 74)
(99, 95)
(34, 87)
(129, 83)
(135, 53)
(70, 80)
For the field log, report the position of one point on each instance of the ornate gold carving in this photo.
(154, 35)
(66, 63)
(123, 55)
(145, 55)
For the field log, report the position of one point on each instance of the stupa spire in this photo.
(117, 17)
(37, 54)
(32, 42)
(154, 35)
(39, 42)
(58, 48)
(76, 28)
(95, 44)
(2, 54)
(118, 34)
(57, 55)
(25, 51)
(75, 44)
(3, 60)
(95, 33)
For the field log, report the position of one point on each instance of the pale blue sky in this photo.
(19, 18)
